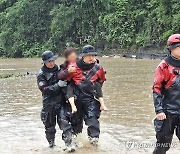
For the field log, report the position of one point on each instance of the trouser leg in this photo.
(178, 127)
(48, 118)
(50, 133)
(65, 125)
(77, 124)
(164, 135)
(77, 119)
(93, 129)
(91, 116)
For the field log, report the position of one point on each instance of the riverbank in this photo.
(145, 56)
(8, 72)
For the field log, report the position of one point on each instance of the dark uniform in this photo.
(166, 93)
(84, 78)
(71, 90)
(53, 98)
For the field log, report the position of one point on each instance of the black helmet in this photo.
(88, 50)
(48, 56)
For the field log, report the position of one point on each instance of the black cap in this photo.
(48, 56)
(88, 50)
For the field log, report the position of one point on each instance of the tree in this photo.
(28, 27)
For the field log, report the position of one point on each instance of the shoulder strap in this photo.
(93, 71)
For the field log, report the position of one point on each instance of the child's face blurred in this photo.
(72, 57)
(176, 52)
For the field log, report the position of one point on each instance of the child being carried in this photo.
(66, 69)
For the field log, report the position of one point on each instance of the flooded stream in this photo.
(126, 129)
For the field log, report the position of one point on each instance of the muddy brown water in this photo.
(126, 129)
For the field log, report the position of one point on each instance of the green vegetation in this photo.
(28, 27)
(4, 76)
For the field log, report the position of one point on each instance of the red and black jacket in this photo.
(166, 89)
(79, 76)
(82, 79)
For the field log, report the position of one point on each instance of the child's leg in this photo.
(70, 96)
(72, 103)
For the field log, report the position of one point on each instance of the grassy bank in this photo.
(4, 76)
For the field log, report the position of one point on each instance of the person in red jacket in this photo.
(72, 92)
(166, 94)
(87, 73)
(66, 69)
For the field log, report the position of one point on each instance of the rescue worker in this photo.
(166, 94)
(87, 73)
(53, 98)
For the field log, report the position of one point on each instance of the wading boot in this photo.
(74, 141)
(51, 144)
(70, 148)
(93, 141)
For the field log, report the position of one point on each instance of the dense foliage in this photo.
(28, 27)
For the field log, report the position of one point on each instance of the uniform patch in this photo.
(41, 83)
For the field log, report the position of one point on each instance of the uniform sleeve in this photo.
(98, 89)
(101, 75)
(44, 88)
(63, 74)
(157, 87)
